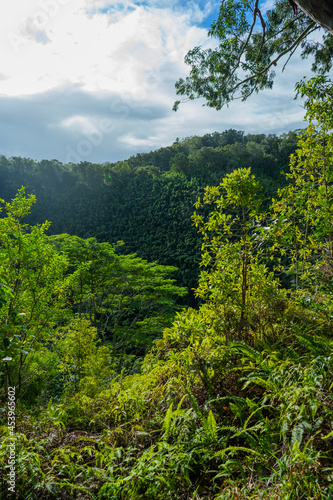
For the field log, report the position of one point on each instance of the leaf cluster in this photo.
(251, 42)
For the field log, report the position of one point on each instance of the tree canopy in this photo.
(147, 200)
(252, 41)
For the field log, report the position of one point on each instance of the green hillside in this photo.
(146, 201)
(112, 388)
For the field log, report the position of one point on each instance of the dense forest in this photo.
(118, 398)
(166, 322)
(146, 201)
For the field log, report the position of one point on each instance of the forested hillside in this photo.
(166, 322)
(235, 400)
(146, 201)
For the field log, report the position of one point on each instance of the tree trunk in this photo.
(321, 11)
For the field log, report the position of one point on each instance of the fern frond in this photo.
(235, 449)
(167, 421)
(252, 353)
(194, 404)
(211, 426)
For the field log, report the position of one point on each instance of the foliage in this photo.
(83, 363)
(251, 42)
(303, 223)
(61, 297)
(261, 428)
(146, 201)
(127, 299)
(236, 281)
(235, 400)
(32, 290)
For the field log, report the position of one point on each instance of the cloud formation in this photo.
(92, 80)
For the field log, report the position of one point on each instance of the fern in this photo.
(234, 449)
(237, 410)
(180, 404)
(297, 434)
(316, 345)
(252, 353)
(194, 404)
(167, 421)
(211, 426)
(257, 410)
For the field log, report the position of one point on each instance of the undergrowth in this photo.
(204, 421)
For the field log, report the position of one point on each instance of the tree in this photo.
(234, 281)
(251, 42)
(128, 299)
(32, 293)
(83, 363)
(304, 211)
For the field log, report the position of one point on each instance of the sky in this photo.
(93, 80)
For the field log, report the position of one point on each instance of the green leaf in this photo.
(6, 342)
(297, 434)
(167, 421)
(328, 435)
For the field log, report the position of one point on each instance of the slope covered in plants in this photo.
(235, 400)
(146, 201)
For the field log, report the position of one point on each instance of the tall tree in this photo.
(304, 211)
(127, 299)
(234, 280)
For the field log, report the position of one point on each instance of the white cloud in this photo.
(267, 5)
(98, 51)
(79, 123)
(70, 68)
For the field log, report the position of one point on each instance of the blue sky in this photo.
(93, 80)
(207, 9)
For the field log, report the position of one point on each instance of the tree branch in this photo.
(303, 35)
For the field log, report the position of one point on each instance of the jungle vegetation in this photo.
(147, 200)
(234, 399)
